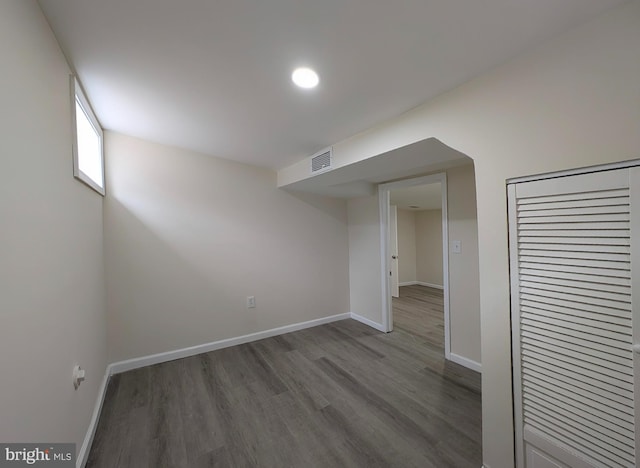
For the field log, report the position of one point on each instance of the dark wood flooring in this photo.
(337, 395)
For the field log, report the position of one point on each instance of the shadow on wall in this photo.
(189, 237)
(150, 287)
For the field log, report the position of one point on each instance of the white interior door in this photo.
(393, 250)
(572, 247)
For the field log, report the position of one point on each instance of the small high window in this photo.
(88, 153)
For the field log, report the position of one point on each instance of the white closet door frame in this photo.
(553, 181)
(515, 325)
(634, 222)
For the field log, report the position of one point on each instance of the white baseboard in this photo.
(421, 283)
(408, 283)
(83, 454)
(135, 363)
(430, 285)
(368, 322)
(468, 363)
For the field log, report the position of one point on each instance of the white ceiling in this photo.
(214, 75)
(424, 197)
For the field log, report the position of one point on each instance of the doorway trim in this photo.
(384, 199)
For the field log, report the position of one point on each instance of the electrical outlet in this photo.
(251, 302)
(78, 376)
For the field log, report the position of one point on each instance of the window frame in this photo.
(77, 95)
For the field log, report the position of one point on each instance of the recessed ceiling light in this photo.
(305, 78)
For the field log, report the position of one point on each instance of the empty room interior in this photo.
(295, 233)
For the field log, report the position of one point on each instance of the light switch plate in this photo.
(456, 246)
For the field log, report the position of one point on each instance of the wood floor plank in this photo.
(299, 382)
(107, 438)
(205, 434)
(337, 395)
(166, 427)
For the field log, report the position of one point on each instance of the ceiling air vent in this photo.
(322, 160)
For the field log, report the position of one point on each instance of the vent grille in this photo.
(574, 271)
(322, 161)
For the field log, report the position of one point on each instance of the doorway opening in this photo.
(414, 244)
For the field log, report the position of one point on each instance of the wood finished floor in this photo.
(420, 311)
(337, 395)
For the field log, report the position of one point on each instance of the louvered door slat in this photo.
(591, 410)
(612, 257)
(600, 442)
(574, 300)
(581, 270)
(571, 254)
(575, 202)
(621, 219)
(560, 348)
(601, 329)
(571, 209)
(587, 323)
(543, 247)
(581, 283)
(578, 306)
(545, 238)
(568, 406)
(530, 303)
(539, 333)
(581, 234)
(580, 378)
(573, 438)
(581, 292)
(569, 390)
(576, 419)
(534, 354)
(577, 227)
(580, 197)
(581, 277)
(583, 384)
(576, 262)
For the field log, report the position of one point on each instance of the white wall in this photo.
(365, 268)
(429, 246)
(51, 258)
(406, 246)
(464, 271)
(573, 102)
(189, 236)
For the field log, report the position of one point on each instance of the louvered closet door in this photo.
(571, 251)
